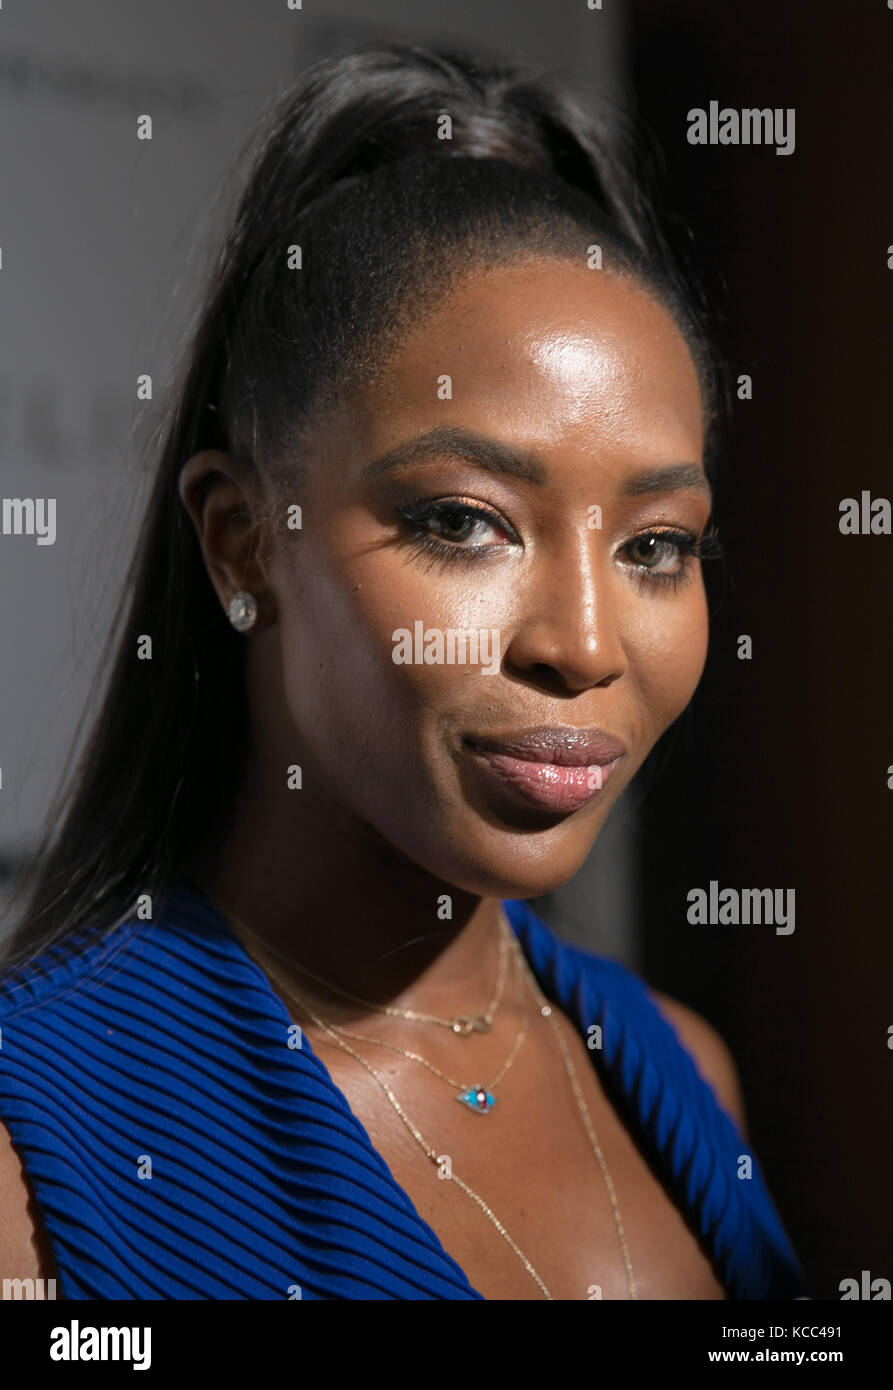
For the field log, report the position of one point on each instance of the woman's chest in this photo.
(523, 1191)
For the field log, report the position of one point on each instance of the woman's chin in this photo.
(476, 856)
(516, 875)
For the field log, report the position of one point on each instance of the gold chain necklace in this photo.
(463, 1024)
(546, 1011)
(478, 1097)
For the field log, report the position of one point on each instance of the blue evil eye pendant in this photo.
(478, 1099)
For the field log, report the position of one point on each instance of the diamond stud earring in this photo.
(242, 611)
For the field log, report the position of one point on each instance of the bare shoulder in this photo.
(711, 1054)
(21, 1255)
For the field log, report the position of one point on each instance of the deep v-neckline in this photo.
(573, 1007)
(176, 1045)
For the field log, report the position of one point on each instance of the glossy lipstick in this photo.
(559, 769)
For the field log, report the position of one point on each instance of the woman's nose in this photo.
(567, 630)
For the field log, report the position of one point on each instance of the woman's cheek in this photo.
(667, 649)
(404, 616)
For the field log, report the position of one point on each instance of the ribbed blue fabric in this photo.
(163, 1041)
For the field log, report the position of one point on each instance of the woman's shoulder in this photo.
(23, 1250)
(56, 968)
(123, 951)
(710, 1052)
(31, 988)
(695, 1035)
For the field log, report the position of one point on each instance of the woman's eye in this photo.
(454, 526)
(455, 523)
(660, 553)
(666, 559)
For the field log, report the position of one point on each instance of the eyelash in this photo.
(706, 547)
(422, 510)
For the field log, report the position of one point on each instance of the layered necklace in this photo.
(477, 1097)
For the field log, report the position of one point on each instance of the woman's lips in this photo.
(559, 769)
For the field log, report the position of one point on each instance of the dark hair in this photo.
(351, 168)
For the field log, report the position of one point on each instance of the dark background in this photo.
(785, 779)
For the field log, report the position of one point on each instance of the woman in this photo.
(441, 459)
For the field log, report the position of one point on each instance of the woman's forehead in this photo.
(547, 352)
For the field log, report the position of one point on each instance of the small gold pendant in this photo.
(477, 1023)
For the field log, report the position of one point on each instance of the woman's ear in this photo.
(219, 491)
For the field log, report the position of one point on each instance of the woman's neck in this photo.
(330, 895)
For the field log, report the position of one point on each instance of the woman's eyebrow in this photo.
(670, 477)
(498, 457)
(490, 454)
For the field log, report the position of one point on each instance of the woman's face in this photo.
(525, 474)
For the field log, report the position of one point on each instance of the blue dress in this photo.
(163, 1043)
